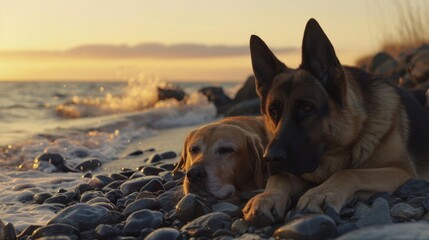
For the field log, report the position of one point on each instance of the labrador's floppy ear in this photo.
(256, 151)
(265, 65)
(319, 58)
(182, 161)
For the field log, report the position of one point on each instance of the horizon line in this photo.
(141, 50)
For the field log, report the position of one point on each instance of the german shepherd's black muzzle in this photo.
(292, 151)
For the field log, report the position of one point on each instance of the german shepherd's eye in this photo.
(306, 109)
(274, 112)
(194, 149)
(225, 150)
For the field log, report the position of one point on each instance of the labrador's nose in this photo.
(196, 174)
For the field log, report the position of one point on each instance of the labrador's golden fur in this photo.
(223, 158)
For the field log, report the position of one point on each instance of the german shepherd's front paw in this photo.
(266, 208)
(316, 200)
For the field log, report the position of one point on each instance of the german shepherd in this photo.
(337, 132)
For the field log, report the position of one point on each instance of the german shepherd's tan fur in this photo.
(337, 132)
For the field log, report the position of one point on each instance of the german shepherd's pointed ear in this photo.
(318, 57)
(265, 65)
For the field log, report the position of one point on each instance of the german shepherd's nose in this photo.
(196, 174)
(273, 155)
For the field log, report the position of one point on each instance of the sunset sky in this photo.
(183, 40)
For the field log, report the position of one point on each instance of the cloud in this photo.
(144, 50)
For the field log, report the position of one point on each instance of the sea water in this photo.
(98, 118)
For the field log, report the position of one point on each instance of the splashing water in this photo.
(139, 93)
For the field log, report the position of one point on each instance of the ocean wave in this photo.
(105, 137)
(138, 94)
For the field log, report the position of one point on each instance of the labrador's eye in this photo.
(194, 149)
(225, 150)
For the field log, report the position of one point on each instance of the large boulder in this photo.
(245, 102)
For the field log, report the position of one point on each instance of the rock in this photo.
(170, 92)
(361, 210)
(412, 188)
(250, 107)
(100, 181)
(419, 67)
(426, 203)
(87, 175)
(378, 214)
(218, 97)
(98, 200)
(347, 212)
(27, 231)
(247, 91)
(167, 166)
(330, 212)
(385, 195)
(406, 212)
(165, 233)
(169, 199)
(249, 236)
(109, 206)
(55, 159)
(425, 217)
(210, 222)
(113, 185)
(240, 226)
(416, 202)
(62, 199)
(144, 203)
(24, 186)
(145, 194)
(89, 164)
(25, 197)
(171, 184)
(166, 176)
(383, 64)
(142, 219)
(136, 184)
(415, 231)
(127, 172)
(90, 195)
(153, 186)
(145, 232)
(7, 232)
(39, 198)
(154, 158)
(106, 232)
(81, 188)
(136, 153)
(56, 229)
(113, 195)
(168, 155)
(222, 233)
(151, 171)
(136, 175)
(232, 210)
(118, 176)
(315, 226)
(378, 60)
(191, 207)
(178, 175)
(83, 216)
